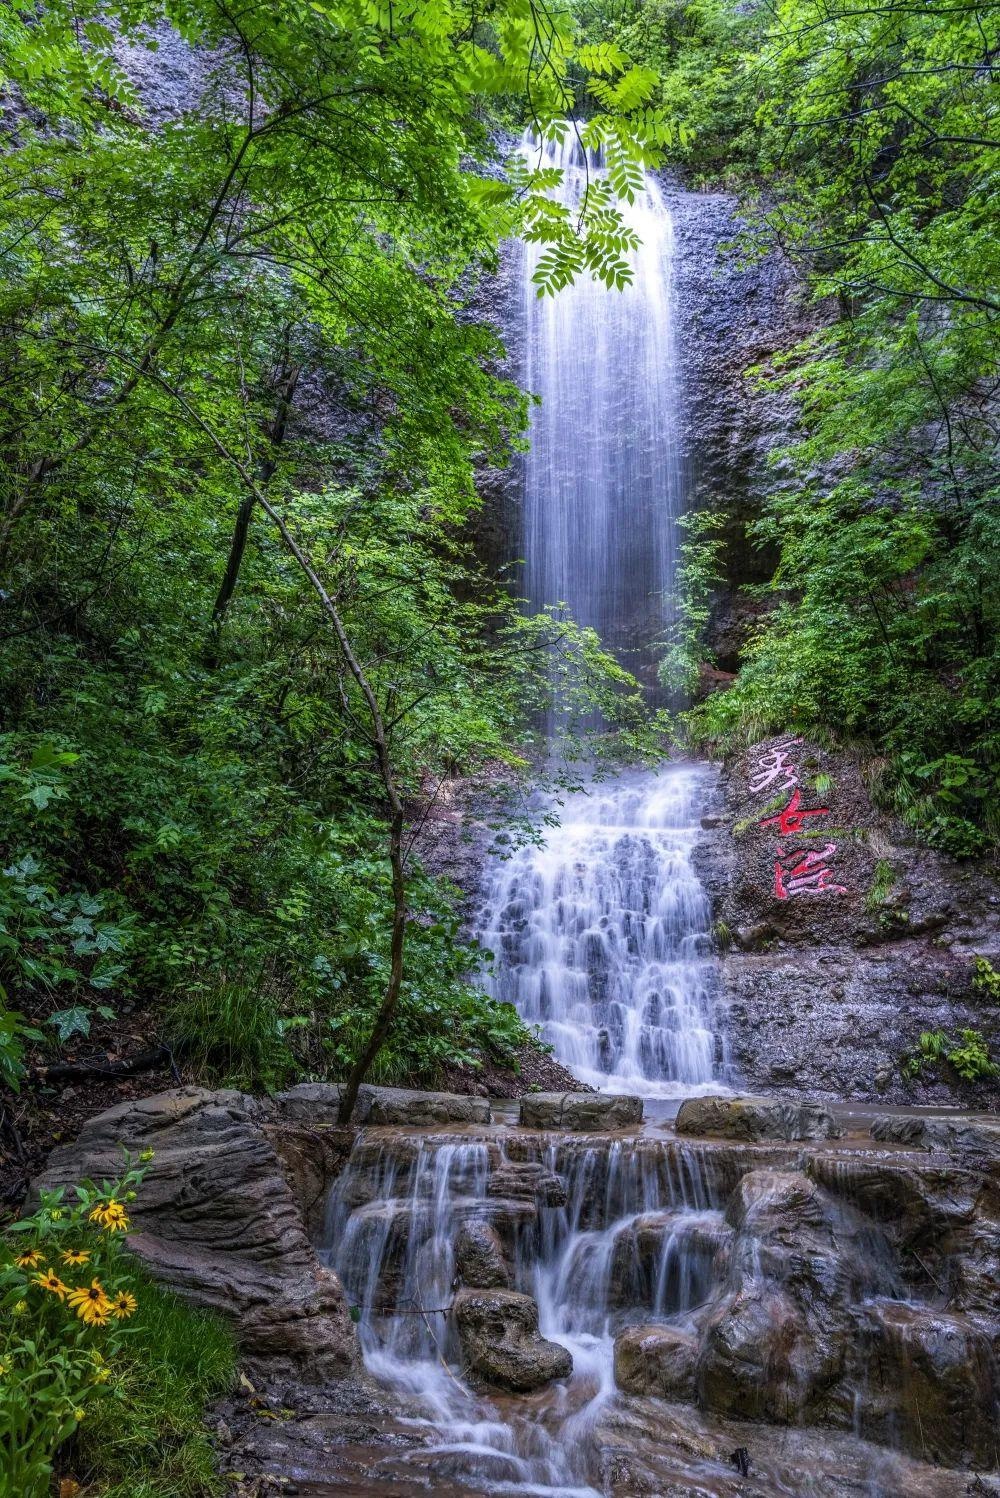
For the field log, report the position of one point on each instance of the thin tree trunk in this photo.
(275, 431)
(387, 1010)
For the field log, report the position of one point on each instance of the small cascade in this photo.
(602, 936)
(618, 1231)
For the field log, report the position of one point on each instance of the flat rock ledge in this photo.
(319, 1103)
(754, 1118)
(580, 1112)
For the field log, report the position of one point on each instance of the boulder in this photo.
(401, 1105)
(501, 1345)
(758, 1360)
(961, 1136)
(755, 1118)
(927, 1383)
(658, 1360)
(216, 1221)
(585, 1112)
(480, 1262)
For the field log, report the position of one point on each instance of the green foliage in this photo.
(883, 879)
(150, 1440)
(66, 1296)
(698, 574)
(969, 1055)
(986, 980)
(875, 134)
(231, 327)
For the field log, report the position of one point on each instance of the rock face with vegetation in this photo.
(853, 960)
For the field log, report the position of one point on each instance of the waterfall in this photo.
(604, 475)
(602, 936)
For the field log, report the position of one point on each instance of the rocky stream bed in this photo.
(757, 1297)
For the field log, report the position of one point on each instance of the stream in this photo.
(627, 1281)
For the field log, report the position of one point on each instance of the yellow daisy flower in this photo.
(110, 1215)
(50, 1281)
(30, 1259)
(123, 1305)
(75, 1256)
(90, 1303)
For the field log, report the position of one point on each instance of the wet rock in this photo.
(780, 1205)
(656, 1360)
(757, 1360)
(479, 1257)
(400, 1105)
(668, 1261)
(311, 1158)
(500, 1342)
(755, 1118)
(217, 1222)
(582, 1111)
(965, 1136)
(319, 1102)
(527, 1180)
(927, 1384)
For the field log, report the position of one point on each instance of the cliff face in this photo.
(840, 941)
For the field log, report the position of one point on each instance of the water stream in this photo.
(601, 934)
(601, 937)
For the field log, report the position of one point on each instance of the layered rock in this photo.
(842, 939)
(216, 1221)
(580, 1111)
(755, 1118)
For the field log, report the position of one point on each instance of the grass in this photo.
(232, 1034)
(149, 1441)
(883, 880)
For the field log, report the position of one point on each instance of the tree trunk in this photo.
(387, 1009)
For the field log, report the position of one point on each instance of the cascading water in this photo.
(602, 936)
(604, 476)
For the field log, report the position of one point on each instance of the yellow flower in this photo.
(30, 1259)
(4, 1366)
(100, 1375)
(123, 1305)
(56, 1213)
(90, 1303)
(50, 1281)
(110, 1215)
(79, 1414)
(146, 1155)
(20, 1308)
(75, 1256)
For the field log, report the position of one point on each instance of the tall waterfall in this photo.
(602, 934)
(604, 477)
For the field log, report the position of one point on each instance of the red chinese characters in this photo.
(805, 874)
(774, 766)
(792, 819)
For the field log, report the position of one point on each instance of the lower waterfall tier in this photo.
(602, 935)
(552, 1311)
